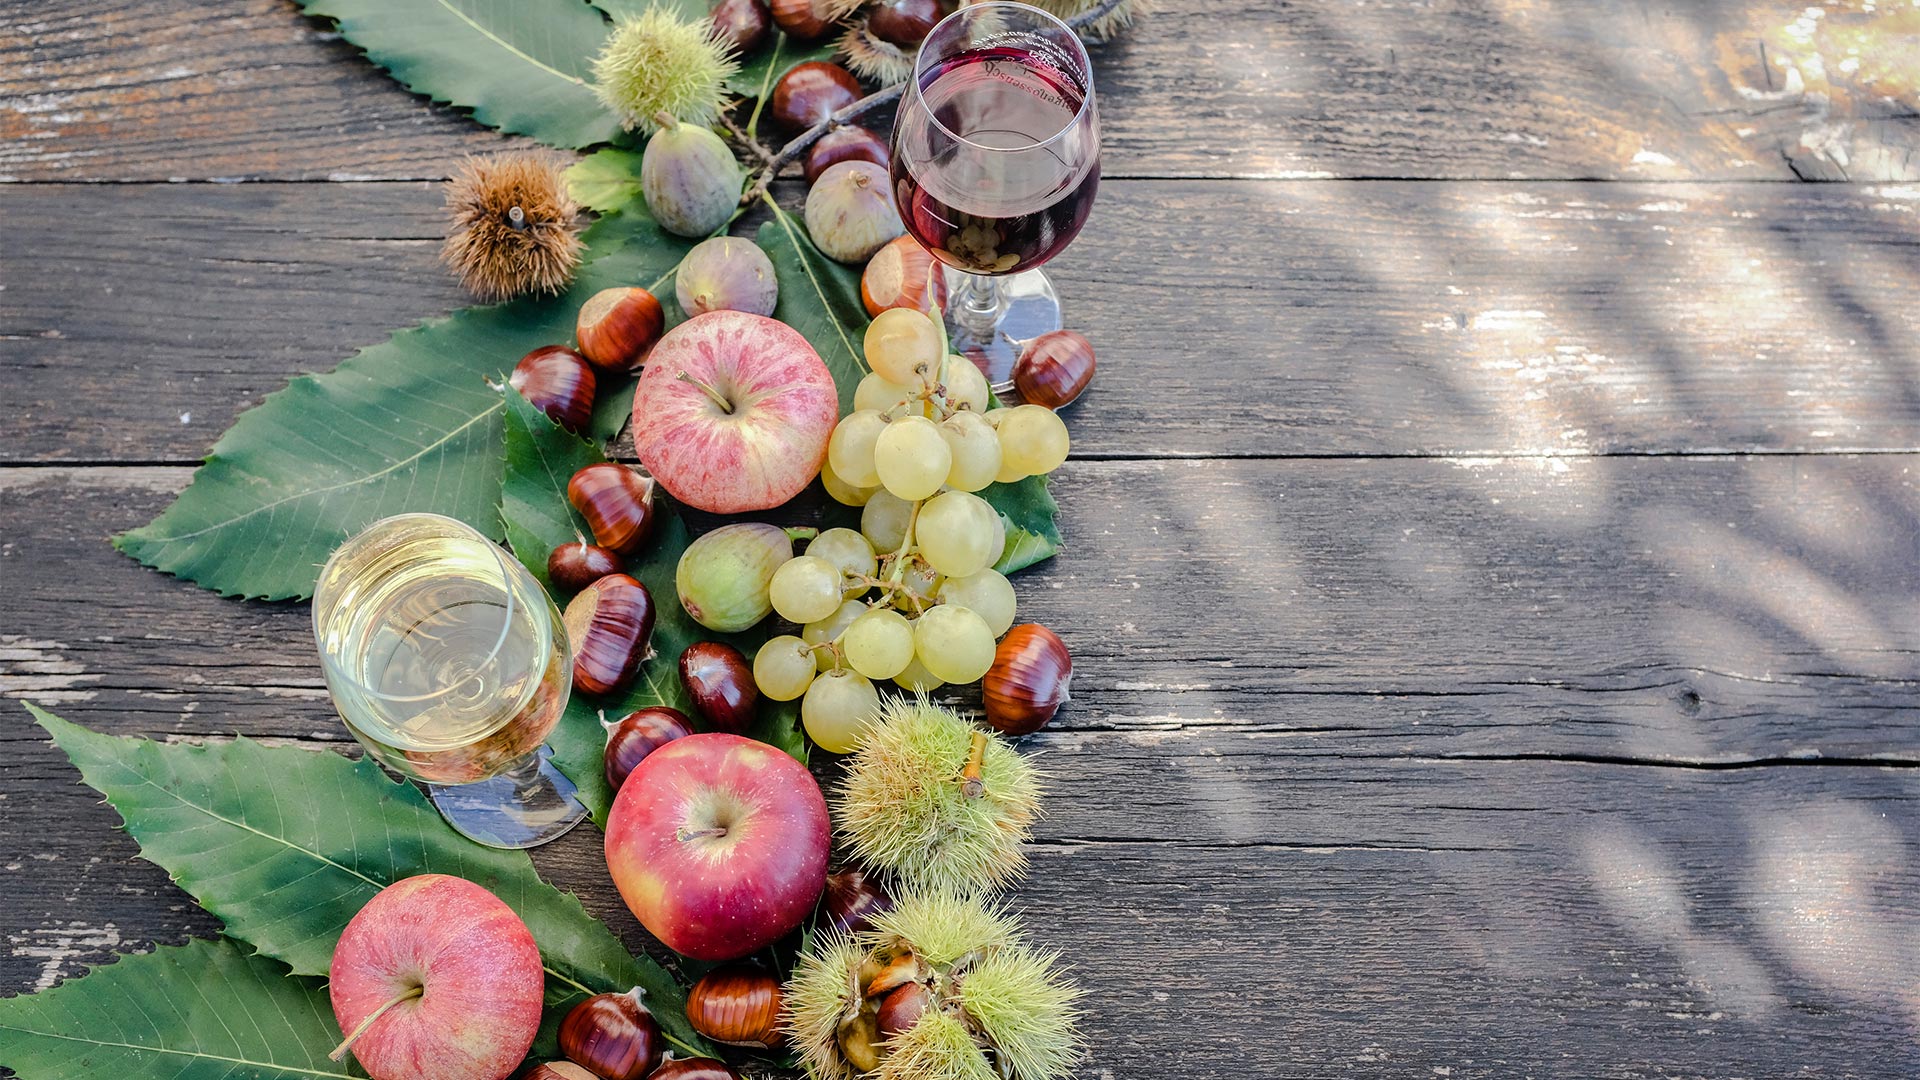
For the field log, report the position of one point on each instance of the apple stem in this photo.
(340, 1052)
(725, 405)
(701, 834)
(972, 785)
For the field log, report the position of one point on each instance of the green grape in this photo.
(875, 392)
(850, 449)
(957, 533)
(917, 677)
(923, 581)
(805, 589)
(966, 384)
(987, 594)
(1008, 474)
(844, 493)
(849, 551)
(911, 458)
(954, 643)
(829, 628)
(879, 644)
(783, 668)
(1033, 439)
(999, 546)
(975, 449)
(837, 709)
(901, 345)
(884, 520)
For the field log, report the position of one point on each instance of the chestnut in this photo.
(557, 1070)
(720, 682)
(572, 567)
(608, 626)
(853, 898)
(1054, 368)
(617, 326)
(848, 142)
(694, 1068)
(859, 1039)
(893, 974)
(612, 1036)
(799, 20)
(902, 274)
(1028, 680)
(737, 1004)
(900, 1009)
(742, 23)
(811, 92)
(557, 381)
(639, 733)
(617, 502)
(905, 23)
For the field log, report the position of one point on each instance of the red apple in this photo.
(733, 412)
(457, 973)
(719, 844)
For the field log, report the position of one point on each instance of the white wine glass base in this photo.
(523, 806)
(990, 319)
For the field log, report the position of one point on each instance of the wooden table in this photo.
(1492, 562)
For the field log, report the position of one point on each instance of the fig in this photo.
(811, 92)
(848, 142)
(723, 576)
(850, 212)
(726, 273)
(689, 178)
(742, 23)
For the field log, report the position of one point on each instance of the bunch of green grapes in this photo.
(913, 596)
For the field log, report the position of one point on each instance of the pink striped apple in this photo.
(436, 979)
(733, 412)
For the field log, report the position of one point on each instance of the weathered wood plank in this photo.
(1661, 609)
(1468, 88)
(1241, 318)
(1237, 911)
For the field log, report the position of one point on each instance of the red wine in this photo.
(997, 172)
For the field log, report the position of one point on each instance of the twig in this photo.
(799, 143)
(741, 136)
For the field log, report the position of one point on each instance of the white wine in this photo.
(444, 656)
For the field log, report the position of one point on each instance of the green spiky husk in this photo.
(903, 807)
(818, 997)
(658, 63)
(873, 59)
(941, 927)
(1106, 25)
(939, 1047)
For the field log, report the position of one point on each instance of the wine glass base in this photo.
(1027, 307)
(525, 806)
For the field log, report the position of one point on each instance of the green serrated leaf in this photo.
(533, 492)
(627, 9)
(1027, 510)
(412, 424)
(524, 66)
(201, 1011)
(820, 298)
(607, 180)
(286, 845)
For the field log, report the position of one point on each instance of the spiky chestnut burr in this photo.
(938, 801)
(872, 57)
(512, 227)
(659, 63)
(989, 1006)
(1096, 19)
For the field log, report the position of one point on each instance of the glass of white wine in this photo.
(449, 663)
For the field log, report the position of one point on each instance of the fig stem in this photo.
(972, 785)
(725, 405)
(666, 120)
(340, 1052)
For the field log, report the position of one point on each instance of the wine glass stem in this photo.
(976, 305)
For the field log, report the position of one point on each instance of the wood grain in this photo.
(1675, 610)
(1231, 318)
(1497, 89)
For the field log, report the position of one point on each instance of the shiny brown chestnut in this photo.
(902, 274)
(905, 23)
(744, 24)
(848, 142)
(853, 898)
(557, 381)
(1028, 680)
(694, 1068)
(557, 1070)
(639, 733)
(616, 326)
(737, 1004)
(1054, 369)
(572, 567)
(612, 1036)
(609, 625)
(720, 682)
(617, 502)
(901, 1009)
(811, 92)
(799, 20)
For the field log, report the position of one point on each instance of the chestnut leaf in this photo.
(286, 845)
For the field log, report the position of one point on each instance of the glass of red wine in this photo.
(996, 157)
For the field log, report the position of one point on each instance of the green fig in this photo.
(689, 178)
(723, 576)
(726, 273)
